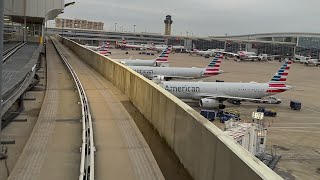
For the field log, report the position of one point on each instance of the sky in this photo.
(201, 17)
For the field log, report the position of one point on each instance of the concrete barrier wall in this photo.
(201, 147)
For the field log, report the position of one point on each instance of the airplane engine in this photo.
(211, 103)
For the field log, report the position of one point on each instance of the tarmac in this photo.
(294, 133)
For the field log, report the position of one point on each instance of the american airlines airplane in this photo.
(162, 58)
(167, 73)
(212, 94)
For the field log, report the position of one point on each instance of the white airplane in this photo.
(314, 62)
(167, 73)
(162, 58)
(266, 57)
(160, 48)
(125, 45)
(212, 94)
(301, 59)
(244, 55)
(95, 48)
(209, 52)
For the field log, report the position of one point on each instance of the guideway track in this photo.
(87, 148)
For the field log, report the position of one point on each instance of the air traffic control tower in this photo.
(168, 21)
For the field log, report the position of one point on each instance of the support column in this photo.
(25, 29)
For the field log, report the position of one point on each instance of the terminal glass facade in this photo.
(309, 42)
(313, 52)
(275, 49)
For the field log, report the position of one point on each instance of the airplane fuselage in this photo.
(199, 90)
(138, 62)
(178, 72)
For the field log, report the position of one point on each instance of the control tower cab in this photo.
(168, 21)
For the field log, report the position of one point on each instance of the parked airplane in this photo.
(244, 55)
(314, 62)
(160, 48)
(266, 57)
(163, 58)
(125, 45)
(301, 59)
(212, 94)
(168, 73)
(95, 48)
(209, 52)
(104, 49)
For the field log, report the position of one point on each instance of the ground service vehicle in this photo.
(295, 105)
(267, 112)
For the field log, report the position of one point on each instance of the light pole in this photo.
(75, 30)
(248, 43)
(115, 26)
(134, 28)
(225, 43)
(62, 25)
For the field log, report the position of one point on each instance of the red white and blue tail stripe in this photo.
(278, 82)
(214, 67)
(281, 76)
(163, 57)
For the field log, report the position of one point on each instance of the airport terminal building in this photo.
(286, 44)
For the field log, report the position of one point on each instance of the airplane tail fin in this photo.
(163, 57)
(213, 67)
(281, 76)
(194, 47)
(124, 41)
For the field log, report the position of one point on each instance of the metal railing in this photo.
(11, 51)
(87, 148)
